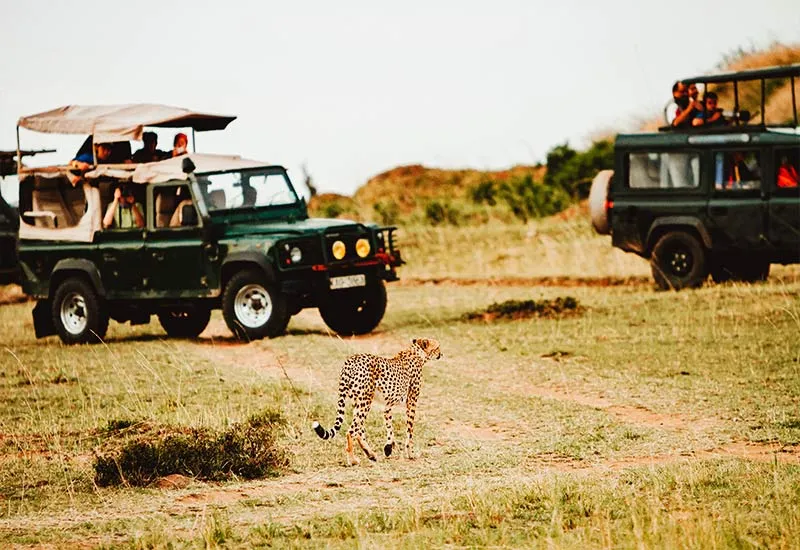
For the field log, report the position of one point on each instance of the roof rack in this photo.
(792, 72)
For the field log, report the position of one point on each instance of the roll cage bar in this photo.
(792, 72)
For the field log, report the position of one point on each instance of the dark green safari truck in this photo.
(220, 232)
(720, 199)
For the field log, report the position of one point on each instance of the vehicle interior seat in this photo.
(216, 199)
(177, 217)
(166, 201)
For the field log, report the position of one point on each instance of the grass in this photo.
(649, 419)
(654, 418)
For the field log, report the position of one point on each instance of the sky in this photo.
(350, 89)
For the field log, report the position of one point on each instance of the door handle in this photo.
(109, 257)
(719, 210)
(159, 255)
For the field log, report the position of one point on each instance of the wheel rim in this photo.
(73, 313)
(680, 262)
(252, 306)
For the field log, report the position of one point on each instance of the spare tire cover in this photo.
(597, 201)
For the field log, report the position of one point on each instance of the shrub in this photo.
(439, 212)
(572, 171)
(387, 211)
(247, 450)
(521, 309)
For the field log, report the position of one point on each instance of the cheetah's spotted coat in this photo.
(397, 378)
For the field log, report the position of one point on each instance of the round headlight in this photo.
(296, 255)
(338, 250)
(362, 248)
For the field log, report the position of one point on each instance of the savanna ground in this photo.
(652, 419)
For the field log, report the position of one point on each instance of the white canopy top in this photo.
(108, 123)
(172, 168)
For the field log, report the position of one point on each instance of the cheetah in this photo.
(397, 378)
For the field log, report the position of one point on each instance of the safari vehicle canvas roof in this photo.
(109, 123)
(172, 168)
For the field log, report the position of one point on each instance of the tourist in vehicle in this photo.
(180, 145)
(693, 92)
(787, 173)
(150, 152)
(680, 112)
(123, 212)
(711, 115)
(738, 174)
(85, 160)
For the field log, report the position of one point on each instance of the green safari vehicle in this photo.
(721, 199)
(219, 232)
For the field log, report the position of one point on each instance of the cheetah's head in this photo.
(429, 346)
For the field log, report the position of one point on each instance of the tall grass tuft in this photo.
(247, 450)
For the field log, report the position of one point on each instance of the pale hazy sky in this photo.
(353, 88)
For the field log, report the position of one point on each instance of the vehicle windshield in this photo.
(247, 189)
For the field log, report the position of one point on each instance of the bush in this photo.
(522, 309)
(388, 212)
(245, 450)
(572, 171)
(438, 212)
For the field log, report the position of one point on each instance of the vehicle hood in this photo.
(310, 226)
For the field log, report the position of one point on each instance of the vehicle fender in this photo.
(678, 222)
(80, 265)
(231, 261)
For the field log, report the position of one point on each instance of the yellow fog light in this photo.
(338, 250)
(362, 248)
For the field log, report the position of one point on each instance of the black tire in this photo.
(252, 308)
(79, 314)
(354, 311)
(677, 261)
(186, 322)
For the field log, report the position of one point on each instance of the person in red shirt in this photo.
(787, 174)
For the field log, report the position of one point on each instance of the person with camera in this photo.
(123, 212)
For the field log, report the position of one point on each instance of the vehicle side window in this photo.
(787, 169)
(174, 207)
(737, 170)
(663, 170)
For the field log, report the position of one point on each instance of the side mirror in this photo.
(188, 216)
(187, 166)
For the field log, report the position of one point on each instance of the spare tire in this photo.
(598, 194)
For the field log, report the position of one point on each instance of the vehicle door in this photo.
(736, 206)
(181, 263)
(784, 203)
(657, 185)
(119, 256)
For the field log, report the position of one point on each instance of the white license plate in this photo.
(348, 281)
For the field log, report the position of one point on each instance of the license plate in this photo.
(348, 281)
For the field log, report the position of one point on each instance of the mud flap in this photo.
(42, 319)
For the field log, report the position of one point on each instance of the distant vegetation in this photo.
(418, 195)
(429, 196)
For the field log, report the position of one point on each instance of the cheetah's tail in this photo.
(328, 434)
